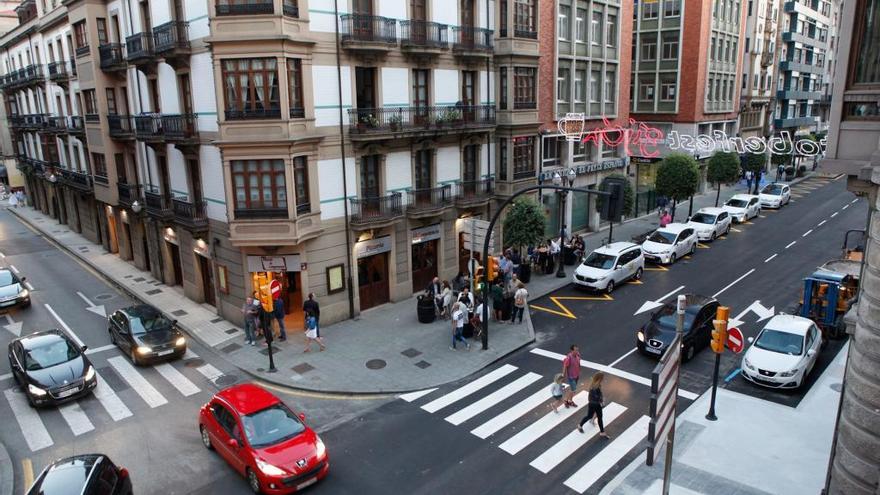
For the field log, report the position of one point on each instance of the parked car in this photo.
(784, 352)
(775, 195)
(51, 368)
(263, 440)
(88, 474)
(710, 223)
(667, 244)
(654, 337)
(12, 290)
(610, 266)
(145, 334)
(743, 207)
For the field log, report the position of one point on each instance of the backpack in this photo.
(520, 298)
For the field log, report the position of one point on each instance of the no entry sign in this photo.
(275, 289)
(735, 340)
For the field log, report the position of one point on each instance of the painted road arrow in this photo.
(651, 305)
(13, 326)
(759, 309)
(98, 310)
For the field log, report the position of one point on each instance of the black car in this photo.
(655, 335)
(12, 291)
(89, 474)
(51, 368)
(145, 334)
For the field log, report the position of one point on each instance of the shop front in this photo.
(646, 178)
(373, 271)
(285, 268)
(425, 246)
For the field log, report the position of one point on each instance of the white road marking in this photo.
(209, 372)
(834, 214)
(821, 223)
(470, 388)
(137, 382)
(770, 258)
(13, 268)
(32, 428)
(587, 475)
(177, 379)
(100, 349)
(790, 244)
(189, 354)
(111, 402)
(2, 255)
(853, 201)
(649, 305)
(807, 233)
(66, 328)
(733, 283)
(29, 286)
(5, 376)
(493, 398)
(416, 395)
(84, 298)
(844, 207)
(512, 414)
(76, 418)
(539, 428)
(621, 358)
(575, 440)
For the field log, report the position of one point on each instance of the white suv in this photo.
(667, 244)
(710, 223)
(743, 207)
(609, 266)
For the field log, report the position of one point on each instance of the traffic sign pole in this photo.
(719, 336)
(670, 440)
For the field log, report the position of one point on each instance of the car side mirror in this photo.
(84, 348)
(751, 339)
(811, 353)
(174, 322)
(232, 443)
(302, 416)
(23, 279)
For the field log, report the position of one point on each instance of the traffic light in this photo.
(491, 268)
(612, 206)
(264, 293)
(719, 334)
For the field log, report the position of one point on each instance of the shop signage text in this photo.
(373, 246)
(280, 263)
(592, 167)
(426, 233)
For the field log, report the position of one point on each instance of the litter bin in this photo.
(426, 309)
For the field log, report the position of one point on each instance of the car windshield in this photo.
(599, 260)
(667, 318)
(151, 323)
(774, 189)
(737, 203)
(781, 342)
(5, 278)
(703, 218)
(661, 237)
(51, 354)
(271, 426)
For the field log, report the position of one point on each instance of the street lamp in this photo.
(136, 206)
(53, 179)
(567, 181)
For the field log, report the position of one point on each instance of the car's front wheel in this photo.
(112, 337)
(672, 258)
(253, 481)
(206, 439)
(693, 248)
(638, 275)
(610, 287)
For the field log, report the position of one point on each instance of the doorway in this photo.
(373, 280)
(129, 248)
(207, 279)
(424, 264)
(112, 236)
(174, 253)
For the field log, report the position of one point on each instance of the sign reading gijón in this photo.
(664, 391)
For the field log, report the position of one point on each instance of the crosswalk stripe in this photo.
(587, 475)
(470, 388)
(412, 396)
(177, 379)
(493, 398)
(32, 428)
(209, 372)
(511, 414)
(76, 418)
(575, 440)
(189, 354)
(137, 382)
(111, 402)
(549, 421)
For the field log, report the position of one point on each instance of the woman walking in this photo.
(312, 332)
(595, 402)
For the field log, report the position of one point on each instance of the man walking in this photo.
(250, 321)
(749, 181)
(459, 315)
(312, 306)
(278, 314)
(520, 299)
(779, 171)
(571, 370)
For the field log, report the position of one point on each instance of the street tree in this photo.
(723, 169)
(677, 178)
(524, 223)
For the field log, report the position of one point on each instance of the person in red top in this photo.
(665, 219)
(571, 369)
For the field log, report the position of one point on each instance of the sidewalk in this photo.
(384, 350)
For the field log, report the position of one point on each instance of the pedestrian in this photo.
(466, 297)
(312, 332)
(311, 305)
(748, 181)
(278, 313)
(459, 315)
(556, 390)
(497, 294)
(665, 219)
(571, 368)
(779, 171)
(257, 309)
(477, 319)
(250, 321)
(445, 301)
(595, 403)
(520, 299)
(19, 196)
(758, 175)
(13, 200)
(555, 249)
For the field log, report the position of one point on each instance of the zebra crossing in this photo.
(529, 425)
(153, 386)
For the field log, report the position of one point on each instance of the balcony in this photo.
(76, 180)
(803, 68)
(39, 166)
(77, 125)
(470, 194)
(429, 38)
(73, 67)
(471, 42)
(112, 58)
(256, 7)
(192, 216)
(58, 72)
(790, 37)
(428, 202)
(376, 212)
(56, 125)
(23, 164)
(16, 122)
(139, 50)
(172, 42)
(148, 128)
(34, 122)
(793, 94)
(182, 129)
(368, 33)
(33, 74)
(82, 51)
(794, 122)
(128, 193)
(157, 204)
(253, 114)
(373, 123)
(120, 127)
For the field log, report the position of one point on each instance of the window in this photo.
(649, 49)
(562, 84)
(596, 28)
(866, 44)
(564, 26)
(712, 55)
(111, 101)
(646, 92)
(667, 91)
(580, 26)
(502, 83)
(611, 31)
(672, 8)
(649, 10)
(301, 184)
(670, 48)
(524, 87)
(502, 6)
(501, 166)
(295, 88)
(524, 18)
(609, 86)
(99, 164)
(594, 86)
(102, 30)
(91, 102)
(259, 184)
(81, 36)
(550, 148)
(580, 85)
(523, 157)
(421, 89)
(251, 87)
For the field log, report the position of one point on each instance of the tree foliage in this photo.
(723, 168)
(524, 223)
(755, 162)
(784, 157)
(677, 176)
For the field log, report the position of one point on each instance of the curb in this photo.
(7, 473)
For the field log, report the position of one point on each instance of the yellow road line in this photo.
(702, 246)
(635, 282)
(656, 268)
(603, 297)
(27, 473)
(567, 313)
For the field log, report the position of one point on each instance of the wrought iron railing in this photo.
(77, 125)
(376, 208)
(171, 36)
(397, 119)
(128, 193)
(290, 8)
(467, 38)
(180, 127)
(190, 214)
(120, 126)
(429, 198)
(58, 71)
(57, 124)
(111, 56)
(139, 47)
(368, 28)
(148, 127)
(254, 113)
(156, 203)
(474, 190)
(75, 179)
(424, 34)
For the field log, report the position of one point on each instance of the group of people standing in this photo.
(547, 255)
(261, 323)
(16, 199)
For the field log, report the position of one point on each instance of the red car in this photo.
(263, 440)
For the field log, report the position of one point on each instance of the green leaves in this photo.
(524, 223)
(677, 176)
(755, 162)
(723, 168)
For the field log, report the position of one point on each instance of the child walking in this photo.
(556, 391)
(312, 332)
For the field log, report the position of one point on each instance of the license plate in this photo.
(307, 483)
(7, 303)
(653, 350)
(67, 393)
(165, 353)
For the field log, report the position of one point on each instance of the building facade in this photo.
(760, 63)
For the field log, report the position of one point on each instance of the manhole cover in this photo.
(376, 364)
(226, 380)
(837, 387)
(103, 297)
(194, 363)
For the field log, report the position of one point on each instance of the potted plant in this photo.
(372, 121)
(395, 121)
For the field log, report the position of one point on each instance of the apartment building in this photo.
(760, 63)
(9, 174)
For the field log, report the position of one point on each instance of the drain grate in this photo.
(153, 292)
(232, 331)
(225, 380)
(275, 350)
(179, 312)
(423, 364)
(139, 279)
(411, 353)
(303, 368)
(194, 363)
(376, 364)
(231, 348)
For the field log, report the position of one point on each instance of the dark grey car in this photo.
(145, 334)
(51, 368)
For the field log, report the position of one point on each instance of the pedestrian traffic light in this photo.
(491, 268)
(719, 334)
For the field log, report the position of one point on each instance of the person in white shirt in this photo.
(459, 315)
(520, 299)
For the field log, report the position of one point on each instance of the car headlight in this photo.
(640, 336)
(142, 349)
(180, 341)
(270, 470)
(788, 374)
(90, 373)
(24, 293)
(748, 365)
(320, 449)
(34, 390)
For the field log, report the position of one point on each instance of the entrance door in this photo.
(207, 280)
(418, 14)
(112, 238)
(365, 92)
(424, 264)
(126, 231)
(468, 94)
(291, 291)
(421, 94)
(373, 280)
(370, 184)
(174, 250)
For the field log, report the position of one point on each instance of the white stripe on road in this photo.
(834, 214)
(853, 201)
(75, 417)
(621, 358)
(100, 349)
(111, 402)
(13, 268)
(673, 291)
(5, 376)
(209, 372)
(807, 233)
(66, 328)
(512, 414)
(543, 425)
(733, 283)
(189, 354)
(821, 223)
(608, 370)
(137, 382)
(493, 398)
(844, 207)
(32, 427)
(587, 475)
(770, 258)
(2, 255)
(790, 244)
(462, 392)
(575, 440)
(416, 395)
(177, 379)
(84, 298)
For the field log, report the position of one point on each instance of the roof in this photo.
(743, 196)
(68, 475)
(712, 210)
(141, 310)
(790, 323)
(693, 302)
(675, 228)
(615, 247)
(248, 398)
(40, 339)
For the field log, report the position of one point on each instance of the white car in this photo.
(775, 195)
(783, 353)
(743, 207)
(667, 244)
(710, 223)
(609, 266)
